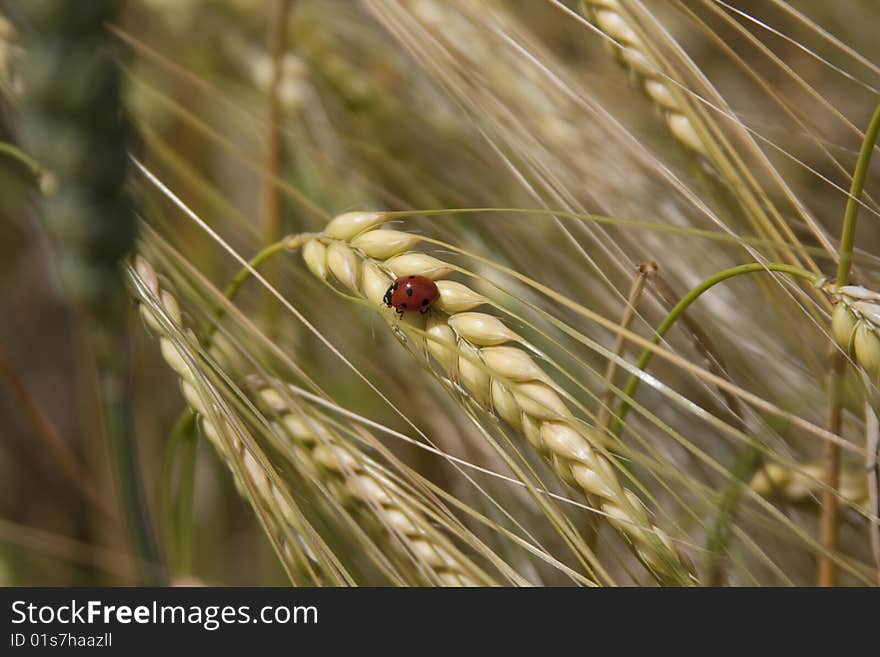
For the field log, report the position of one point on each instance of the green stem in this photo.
(848, 235)
(749, 458)
(826, 571)
(112, 354)
(19, 155)
(670, 319)
(185, 423)
(186, 495)
(286, 244)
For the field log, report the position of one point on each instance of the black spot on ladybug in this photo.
(424, 302)
(410, 277)
(403, 305)
(409, 292)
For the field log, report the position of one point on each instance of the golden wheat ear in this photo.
(491, 362)
(310, 443)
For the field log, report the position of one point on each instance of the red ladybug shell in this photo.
(411, 293)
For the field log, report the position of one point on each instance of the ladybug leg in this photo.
(424, 310)
(399, 312)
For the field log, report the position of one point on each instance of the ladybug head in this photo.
(387, 297)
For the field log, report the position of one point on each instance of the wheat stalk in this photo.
(320, 450)
(477, 351)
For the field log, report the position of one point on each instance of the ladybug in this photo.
(411, 293)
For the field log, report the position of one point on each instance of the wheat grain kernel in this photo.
(374, 282)
(565, 441)
(531, 429)
(683, 129)
(512, 363)
(843, 325)
(636, 60)
(171, 307)
(344, 265)
(273, 399)
(367, 489)
(481, 329)
(613, 23)
(441, 343)
(661, 94)
(383, 243)
(174, 358)
(457, 298)
(254, 470)
(191, 395)
(402, 523)
(431, 554)
(505, 404)
(334, 458)
(858, 293)
(417, 264)
(868, 310)
(315, 256)
(147, 274)
(347, 226)
(590, 481)
(866, 346)
(472, 372)
(539, 400)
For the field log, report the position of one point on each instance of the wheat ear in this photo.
(696, 131)
(608, 17)
(366, 482)
(363, 479)
(162, 314)
(477, 351)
